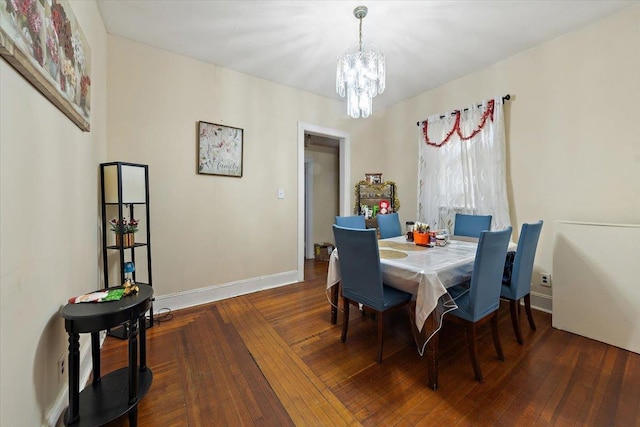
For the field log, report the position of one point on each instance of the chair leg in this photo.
(527, 306)
(496, 336)
(473, 349)
(380, 337)
(345, 321)
(515, 320)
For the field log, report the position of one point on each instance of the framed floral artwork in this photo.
(43, 41)
(219, 150)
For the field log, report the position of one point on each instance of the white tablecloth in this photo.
(425, 273)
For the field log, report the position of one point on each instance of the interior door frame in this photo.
(344, 139)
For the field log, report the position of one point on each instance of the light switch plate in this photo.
(280, 193)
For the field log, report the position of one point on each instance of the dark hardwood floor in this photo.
(273, 358)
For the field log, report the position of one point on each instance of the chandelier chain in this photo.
(360, 36)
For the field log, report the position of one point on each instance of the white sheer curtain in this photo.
(462, 166)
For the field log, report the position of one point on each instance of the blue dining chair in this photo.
(354, 221)
(361, 278)
(481, 303)
(520, 284)
(471, 225)
(389, 225)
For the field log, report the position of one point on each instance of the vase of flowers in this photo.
(124, 231)
(132, 228)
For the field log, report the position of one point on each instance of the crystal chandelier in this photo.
(360, 74)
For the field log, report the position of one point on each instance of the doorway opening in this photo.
(321, 193)
(327, 138)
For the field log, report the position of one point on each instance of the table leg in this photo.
(133, 417)
(142, 322)
(133, 360)
(427, 340)
(432, 361)
(95, 356)
(334, 303)
(74, 379)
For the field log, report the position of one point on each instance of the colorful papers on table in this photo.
(99, 296)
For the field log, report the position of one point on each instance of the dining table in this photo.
(427, 272)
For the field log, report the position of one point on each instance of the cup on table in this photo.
(409, 229)
(432, 238)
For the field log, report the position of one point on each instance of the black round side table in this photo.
(120, 391)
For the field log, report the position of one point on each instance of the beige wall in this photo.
(210, 230)
(325, 191)
(387, 144)
(49, 249)
(572, 126)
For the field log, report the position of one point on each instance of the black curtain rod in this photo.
(504, 98)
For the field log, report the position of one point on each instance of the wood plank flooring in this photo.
(273, 358)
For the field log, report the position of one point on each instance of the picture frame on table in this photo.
(220, 149)
(373, 178)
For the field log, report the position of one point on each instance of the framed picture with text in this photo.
(219, 150)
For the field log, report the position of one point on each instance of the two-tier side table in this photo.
(119, 392)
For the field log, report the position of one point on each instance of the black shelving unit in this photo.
(125, 191)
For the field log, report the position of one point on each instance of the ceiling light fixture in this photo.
(360, 74)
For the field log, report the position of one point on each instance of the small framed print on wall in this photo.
(219, 150)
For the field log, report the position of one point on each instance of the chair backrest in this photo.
(354, 221)
(471, 225)
(361, 275)
(486, 277)
(389, 225)
(523, 261)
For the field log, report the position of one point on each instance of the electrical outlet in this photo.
(62, 368)
(545, 279)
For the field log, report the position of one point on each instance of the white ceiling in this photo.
(296, 43)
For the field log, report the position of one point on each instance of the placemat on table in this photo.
(401, 246)
(387, 254)
(465, 238)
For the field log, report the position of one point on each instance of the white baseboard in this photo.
(541, 302)
(227, 290)
(53, 416)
